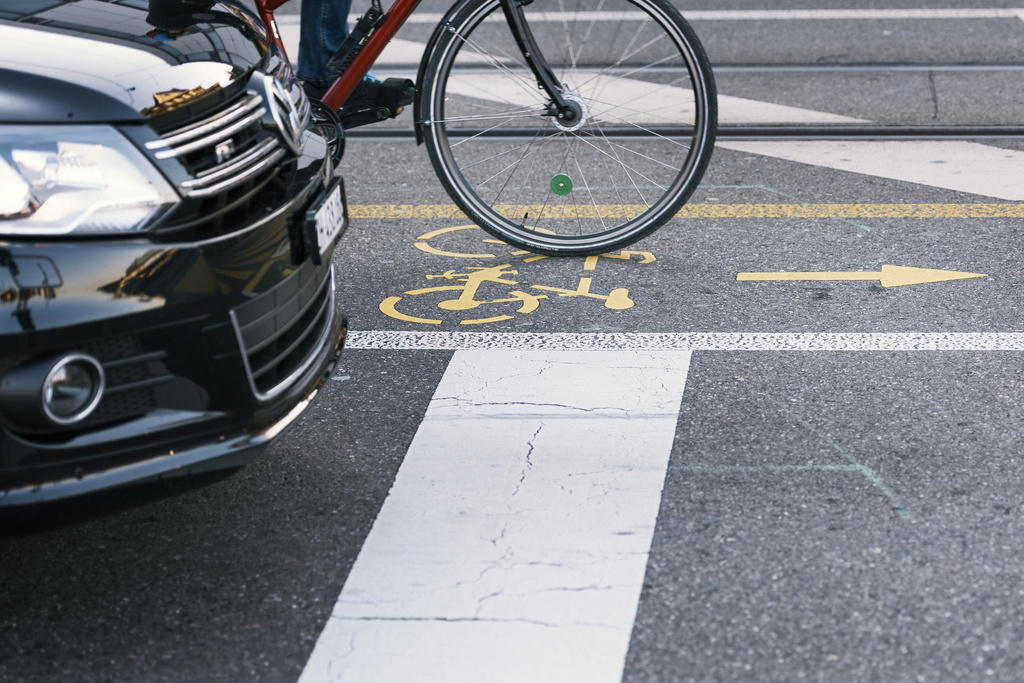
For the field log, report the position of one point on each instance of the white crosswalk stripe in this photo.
(951, 164)
(513, 544)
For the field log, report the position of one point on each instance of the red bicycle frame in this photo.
(343, 86)
(393, 20)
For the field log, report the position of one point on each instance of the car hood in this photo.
(92, 62)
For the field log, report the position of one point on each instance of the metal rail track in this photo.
(836, 132)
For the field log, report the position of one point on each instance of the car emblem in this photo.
(282, 115)
(224, 151)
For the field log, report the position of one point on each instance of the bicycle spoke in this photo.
(590, 191)
(638, 69)
(572, 185)
(529, 173)
(642, 127)
(503, 116)
(622, 166)
(523, 83)
(636, 153)
(495, 156)
(503, 170)
(629, 168)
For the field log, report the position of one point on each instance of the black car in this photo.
(167, 219)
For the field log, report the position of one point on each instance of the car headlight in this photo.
(90, 180)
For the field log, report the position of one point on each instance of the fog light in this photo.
(54, 390)
(72, 389)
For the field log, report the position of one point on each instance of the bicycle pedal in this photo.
(365, 117)
(375, 101)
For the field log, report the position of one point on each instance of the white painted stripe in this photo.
(734, 110)
(743, 15)
(409, 52)
(765, 15)
(847, 14)
(513, 544)
(690, 341)
(288, 27)
(616, 100)
(950, 164)
(624, 92)
(398, 51)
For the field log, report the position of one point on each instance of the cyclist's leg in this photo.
(323, 28)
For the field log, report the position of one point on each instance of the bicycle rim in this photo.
(648, 114)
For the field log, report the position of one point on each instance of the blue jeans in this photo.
(322, 29)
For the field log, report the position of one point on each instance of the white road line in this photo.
(398, 51)
(854, 14)
(405, 52)
(950, 164)
(747, 15)
(690, 341)
(769, 15)
(619, 95)
(288, 27)
(513, 544)
(734, 110)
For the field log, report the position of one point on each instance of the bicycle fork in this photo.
(567, 110)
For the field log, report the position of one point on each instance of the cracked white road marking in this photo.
(513, 544)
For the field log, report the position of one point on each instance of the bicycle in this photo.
(560, 131)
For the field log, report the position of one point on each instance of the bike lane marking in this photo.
(476, 290)
(514, 542)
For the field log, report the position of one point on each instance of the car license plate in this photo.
(327, 219)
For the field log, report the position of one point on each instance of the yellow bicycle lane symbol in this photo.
(497, 280)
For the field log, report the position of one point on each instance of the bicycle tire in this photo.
(647, 92)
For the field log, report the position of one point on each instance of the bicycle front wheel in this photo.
(645, 94)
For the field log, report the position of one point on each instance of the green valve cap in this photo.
(561, 184)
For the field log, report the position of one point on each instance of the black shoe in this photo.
(374, 101)
(315, 90)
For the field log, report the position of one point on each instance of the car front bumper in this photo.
(210, 349)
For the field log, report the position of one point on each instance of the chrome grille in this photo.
(281, 330)
(223, 150)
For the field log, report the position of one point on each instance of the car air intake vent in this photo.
(280, 330)
(223, 150)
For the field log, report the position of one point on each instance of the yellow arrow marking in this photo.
(891, 276)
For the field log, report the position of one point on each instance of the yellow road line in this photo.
(724, 211)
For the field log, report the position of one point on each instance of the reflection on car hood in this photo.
(90, 61)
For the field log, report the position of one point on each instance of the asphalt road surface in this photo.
(731, 478)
